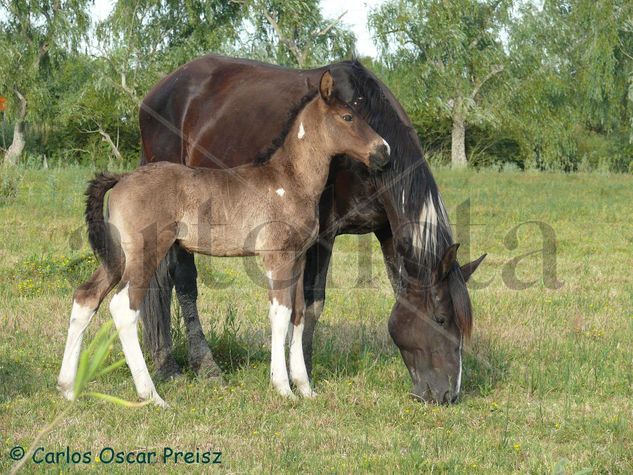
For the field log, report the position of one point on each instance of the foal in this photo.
(267, 209)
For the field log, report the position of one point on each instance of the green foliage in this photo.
(539, 85)
(9, 184)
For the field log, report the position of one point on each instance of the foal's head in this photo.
(339, 130)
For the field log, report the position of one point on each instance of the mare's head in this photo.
(334, 127)
(429, 323)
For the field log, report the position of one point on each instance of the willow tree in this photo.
(294, 33)
(34, 35)
(455, 48)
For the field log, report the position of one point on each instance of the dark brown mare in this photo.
(204, 114)
(268, 209)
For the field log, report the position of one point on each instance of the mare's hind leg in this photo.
(298, 371)
(86, 301)
(185, 275)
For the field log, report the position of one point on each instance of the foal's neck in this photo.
(304, 157)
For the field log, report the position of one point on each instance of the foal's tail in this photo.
(99, 236)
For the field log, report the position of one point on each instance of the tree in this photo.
(454, 49)
(34, 36)
(294, 33)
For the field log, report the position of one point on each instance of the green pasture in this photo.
(548, 382)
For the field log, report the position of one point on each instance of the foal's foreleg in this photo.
(282, 283)
(298, 371)
(86, 301)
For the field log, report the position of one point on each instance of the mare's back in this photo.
(217, 111)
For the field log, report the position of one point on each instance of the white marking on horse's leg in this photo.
(125, 320)
(80, 317)
(280, 191)
(459, 375)
(302, 131)
(298, 371)
(279, 319)
(388, 146)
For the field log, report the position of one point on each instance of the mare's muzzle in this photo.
(380, 157)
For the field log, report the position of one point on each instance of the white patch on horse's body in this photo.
(80, 317)
(388, 146)
(432, 217)
(280, 191)
(302, 131)
(125, 320)
(459, 375)
(279, 316)
(298, 371)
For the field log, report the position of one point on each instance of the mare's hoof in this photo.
(168, 370)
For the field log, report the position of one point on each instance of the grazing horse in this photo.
(269, 209)
(202, 114)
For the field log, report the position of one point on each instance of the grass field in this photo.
(548, 383)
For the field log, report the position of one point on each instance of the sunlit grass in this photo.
(548, 375)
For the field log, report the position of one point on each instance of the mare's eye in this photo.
(439, 319)
(347, 118)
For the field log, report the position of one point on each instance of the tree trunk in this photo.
(17, 146)
(458, 142)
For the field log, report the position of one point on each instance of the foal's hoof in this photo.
(68, 394)
(286, 393)
(307, 393)
(159, 402)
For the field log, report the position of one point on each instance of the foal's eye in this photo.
(347, 118)
(438, 319)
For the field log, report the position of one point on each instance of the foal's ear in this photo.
(449, 258)
(326, 86)
(468, 269)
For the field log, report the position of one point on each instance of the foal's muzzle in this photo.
(379, 158)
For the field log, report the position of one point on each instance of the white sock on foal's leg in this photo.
(298, 371)
(80, 317)
(279, 319)
(126, 320)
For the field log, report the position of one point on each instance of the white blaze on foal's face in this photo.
(280, 191)
(302, 131)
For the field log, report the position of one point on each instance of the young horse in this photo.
(268, 209)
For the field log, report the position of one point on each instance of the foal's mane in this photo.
(267, 154)
(424, 232)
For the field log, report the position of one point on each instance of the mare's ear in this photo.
(468, 269)
(448, 259)
(326, 86)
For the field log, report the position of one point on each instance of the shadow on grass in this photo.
(16, 378)
(341, 351)
(485, 366)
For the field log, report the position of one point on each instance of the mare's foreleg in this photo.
(314, 281)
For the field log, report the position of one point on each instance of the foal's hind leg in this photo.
(86, 301)
(141, 263)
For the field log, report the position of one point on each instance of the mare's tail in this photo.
(99, 235)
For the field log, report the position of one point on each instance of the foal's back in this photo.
(232, 212)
